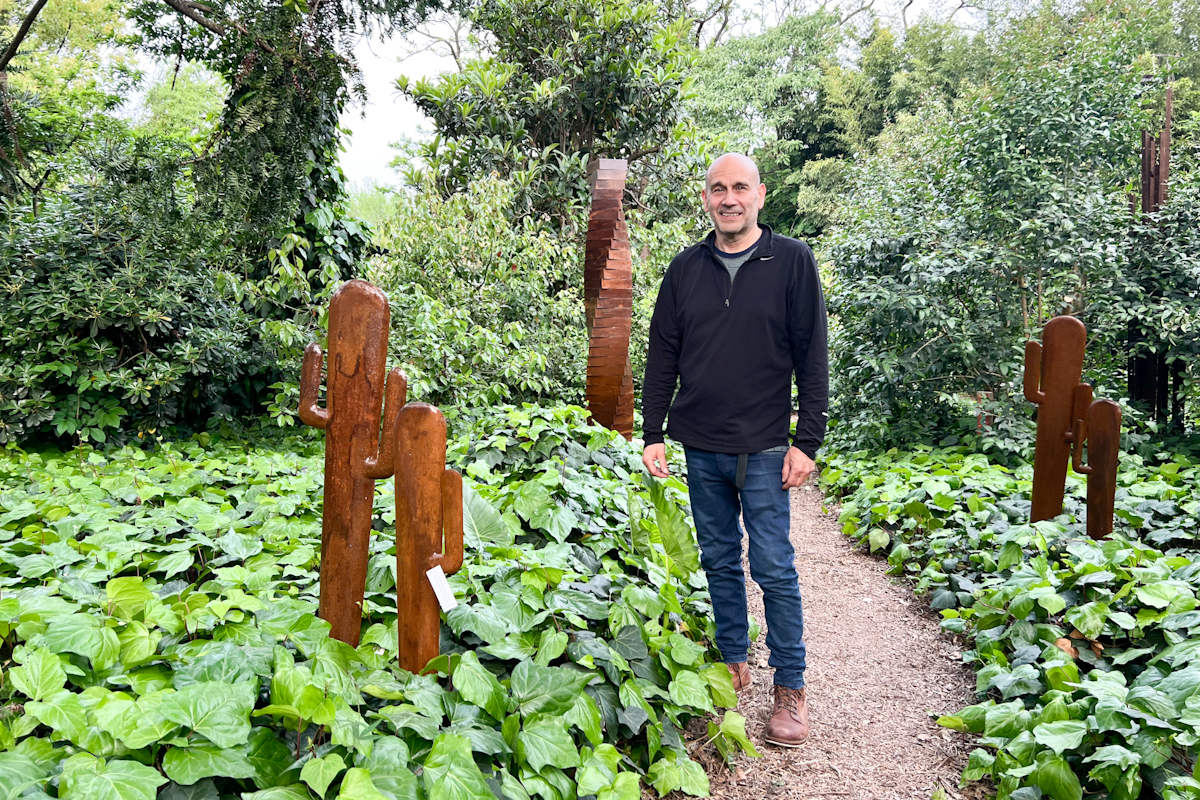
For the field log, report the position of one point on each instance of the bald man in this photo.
(737, 316)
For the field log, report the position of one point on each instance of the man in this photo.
(736, 316)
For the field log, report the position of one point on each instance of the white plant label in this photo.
(441, 588)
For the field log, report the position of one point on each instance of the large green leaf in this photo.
(186, 765)
(546, 742)
(689, 689)
(218, 711)
(18, 772)
(40, 675)
(1057, 780)
(114, 780)
(482, 524)
(388, 765)
(318, 773)
(480, 687)
(678, 772)
(450, 772)
(546, 690)
(357, 785)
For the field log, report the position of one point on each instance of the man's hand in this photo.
(655, 459)
(796, 467)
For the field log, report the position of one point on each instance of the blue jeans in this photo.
(763, 504)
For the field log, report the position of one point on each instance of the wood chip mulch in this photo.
(879, 672)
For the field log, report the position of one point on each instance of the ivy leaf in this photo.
(720, 684)
(218, 711)
(1056, 778)
(480, 687)
(18, 772)
(450, 772)
(482, 523)
(678, 772)
(585, 716)
(1062, 735)
(546, 690)
(268, 756)
(546, 742)
(598, 770)
(625, 787)
(204, 790)
(733, 728)
(357, 785)
(114, 780)
(40, 675)
(318, 773)
(127, 596)
(689, 689)
(388, 765)
(63, 712)
(186, 765)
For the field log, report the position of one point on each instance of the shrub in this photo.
(112, 321)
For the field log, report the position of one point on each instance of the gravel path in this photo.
(878, 666)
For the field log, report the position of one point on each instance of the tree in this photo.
(967, 231)
(564, 81)
(183, 104)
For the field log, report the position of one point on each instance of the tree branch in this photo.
(195, 16)
(864, 7)
(22, 32)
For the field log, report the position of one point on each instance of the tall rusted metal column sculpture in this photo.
(429, 528)
(608, 299)
(355, 453)
(1052, 371)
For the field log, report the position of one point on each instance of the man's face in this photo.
(733, 197)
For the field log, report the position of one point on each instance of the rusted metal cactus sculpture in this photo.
(608, 299)
(356, 455)
(1052, 371)
(1068, 418)
(429, 528)
(1100, 427)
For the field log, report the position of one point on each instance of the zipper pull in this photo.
(727, 302)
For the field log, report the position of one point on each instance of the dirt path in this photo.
(877, 667)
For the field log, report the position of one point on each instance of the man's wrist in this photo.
(652, 438)
(807, 448)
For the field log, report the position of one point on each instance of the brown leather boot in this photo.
(740, 673)
(789, 719)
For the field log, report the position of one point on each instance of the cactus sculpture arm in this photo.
(1033, 373)
(359, 320)
(452, 523)
(312, 414)
(381, 466)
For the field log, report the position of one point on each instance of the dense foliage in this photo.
(561, 82)
(1086, 653)
(158, 611)
(969, 229)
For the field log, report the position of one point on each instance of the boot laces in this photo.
(789, 699)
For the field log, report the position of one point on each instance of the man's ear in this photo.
(762, 195)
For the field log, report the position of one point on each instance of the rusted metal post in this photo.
(355, 453)
(1052, 372)
(429, 528)
(1102, 431)
(608, 299)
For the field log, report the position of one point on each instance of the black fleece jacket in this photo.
(734, 345)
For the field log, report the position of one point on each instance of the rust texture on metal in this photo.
(608, 299)
(1101, 428)
(429, 528)
(356, 455)
(1052, 371)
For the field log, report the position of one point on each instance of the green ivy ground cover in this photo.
(1087, 654)
(157, 612)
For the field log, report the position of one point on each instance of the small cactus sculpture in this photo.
(355, 454)
(1100, 426)
(1052, 372)
(428, 513)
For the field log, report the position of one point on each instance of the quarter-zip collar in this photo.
(764, 243)
(761, 253)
